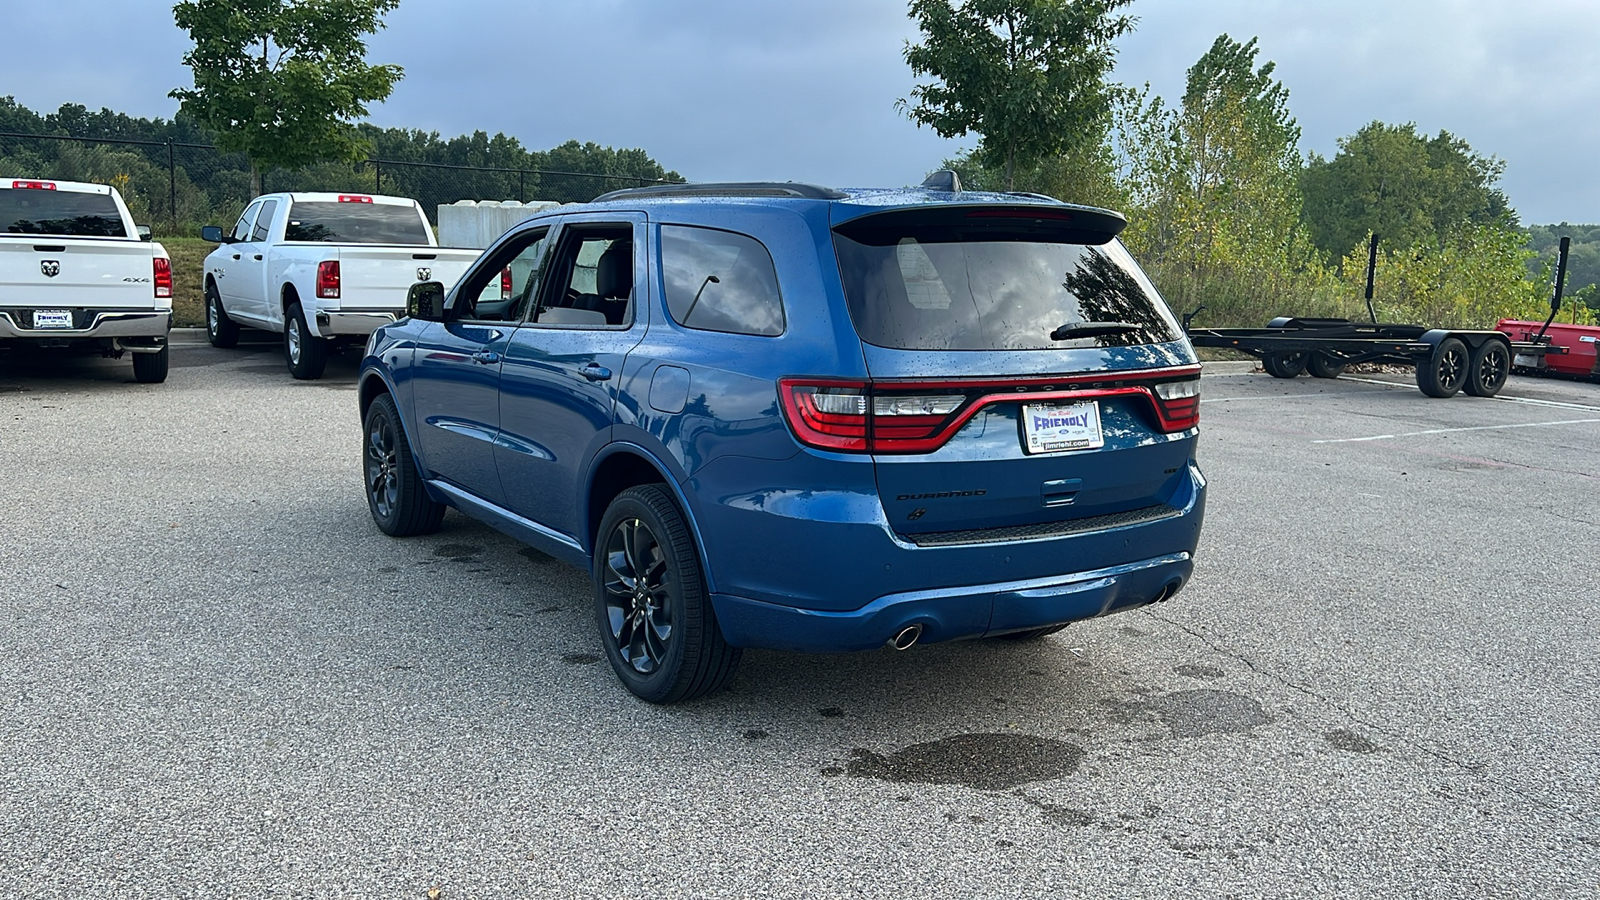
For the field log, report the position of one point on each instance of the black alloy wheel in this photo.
(1491, 365)
(1284, 365)
(1444, 372)
(399, 503)
(221, 331)
(656, 620)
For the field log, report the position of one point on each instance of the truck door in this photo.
(248, 270)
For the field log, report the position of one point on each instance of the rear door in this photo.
(1014, 358)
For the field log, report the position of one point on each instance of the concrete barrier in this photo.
(478, 223)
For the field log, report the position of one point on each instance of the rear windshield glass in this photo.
(992, 288)
(63, 213)
(355, 223)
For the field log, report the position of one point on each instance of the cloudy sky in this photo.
(805, 89)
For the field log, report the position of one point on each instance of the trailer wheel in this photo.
(1284, 365)
(1444, 372)
(1321, 365)
(1491, 364)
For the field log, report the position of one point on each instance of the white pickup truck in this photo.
(76, 275)
(323, 270)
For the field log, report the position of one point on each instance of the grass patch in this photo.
(188, 279)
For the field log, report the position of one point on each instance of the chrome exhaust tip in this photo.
(906, 637)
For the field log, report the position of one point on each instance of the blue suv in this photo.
(785, 416)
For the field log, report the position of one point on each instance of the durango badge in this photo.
(50, 267)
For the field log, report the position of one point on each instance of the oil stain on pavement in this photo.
(1192, 714)
(986, 762)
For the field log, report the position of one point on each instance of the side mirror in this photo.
(213, 233)
(425, 301)
(143, 231)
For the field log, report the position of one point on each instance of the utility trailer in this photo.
(1446, 360)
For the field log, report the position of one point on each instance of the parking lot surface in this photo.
(220, 680)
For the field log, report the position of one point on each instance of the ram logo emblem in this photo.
(424, 273)
(50, 267)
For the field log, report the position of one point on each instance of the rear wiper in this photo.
(1091, 329)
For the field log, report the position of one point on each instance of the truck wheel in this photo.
(399, 503)
(1491, 364)
(1321, 365)
(1284, 365)
(151, 368)
(220, 330)
(307, 353)
(655, 616)
(1444, 372)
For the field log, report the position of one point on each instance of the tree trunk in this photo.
(1011, 169)
(255, 179)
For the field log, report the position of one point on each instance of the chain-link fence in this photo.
(176, 187)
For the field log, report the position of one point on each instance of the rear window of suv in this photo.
(355, 223)
(60, 213)
(994, 285)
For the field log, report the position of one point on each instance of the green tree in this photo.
(283, 80)
(1213, 187)
(1409, 189)
(1026, 75)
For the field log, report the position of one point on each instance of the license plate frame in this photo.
(1061, 427)
(52, 319)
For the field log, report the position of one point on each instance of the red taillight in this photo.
(328, 279)
(34, 185)
(505, 283)
(163, 276)
(354, 198)
(920, 416)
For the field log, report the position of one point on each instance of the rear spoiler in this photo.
(1059, 222)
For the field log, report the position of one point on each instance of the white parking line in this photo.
(1386, 437)
(1528, 400)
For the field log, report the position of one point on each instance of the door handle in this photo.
(595, 372)
(487, 357)
(236, 256)
(258, 256)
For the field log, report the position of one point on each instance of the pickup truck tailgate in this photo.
(378, 277)
(42, 271)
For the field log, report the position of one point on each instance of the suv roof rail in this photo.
(729, 189)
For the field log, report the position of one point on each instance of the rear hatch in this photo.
(1026, 378)
(69, 249)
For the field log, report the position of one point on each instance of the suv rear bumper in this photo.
(93, 323)
(952, 613)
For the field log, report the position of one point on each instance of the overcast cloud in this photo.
(805, 89)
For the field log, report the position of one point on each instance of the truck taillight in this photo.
(505, 283)
(163, 276)
(34, 185)
(354, 198)
(328, 279)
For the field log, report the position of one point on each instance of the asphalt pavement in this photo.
(219, 679)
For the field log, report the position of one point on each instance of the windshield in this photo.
(62, 213)
(995, 288)
(355, 223)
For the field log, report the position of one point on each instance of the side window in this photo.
(241, 229)
(503, 293)
(264, 220)
(591, 278)
(720, 281)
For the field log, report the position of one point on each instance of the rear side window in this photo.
(355, 223)
(62, 213)
(720, 281)
(995, 287)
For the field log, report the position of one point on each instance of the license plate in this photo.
(52, 318)
(1053, 427)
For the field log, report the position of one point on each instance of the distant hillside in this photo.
(1583, 260)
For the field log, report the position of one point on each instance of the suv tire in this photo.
(221, 331)
(151, 368)
(306, 353)
(655, 616)
(399, 503)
